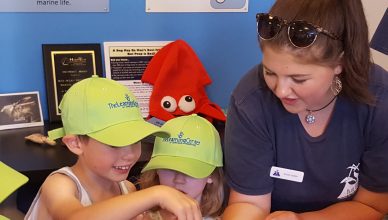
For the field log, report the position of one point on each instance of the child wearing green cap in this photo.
(190, 160)
(103, 126)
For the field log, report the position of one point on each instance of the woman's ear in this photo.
(338, 69)
(73, 143)
(209, 180)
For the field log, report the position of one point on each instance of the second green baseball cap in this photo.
(104, 110)
(194, 147)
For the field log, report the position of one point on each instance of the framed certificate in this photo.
(64, 65)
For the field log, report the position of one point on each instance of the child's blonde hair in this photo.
(194, 149)
(212, 200)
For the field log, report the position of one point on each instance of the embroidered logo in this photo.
(128, 103)
(351, 182)
(276, 173)
(181, 140)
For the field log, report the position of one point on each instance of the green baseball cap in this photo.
(194, 147)
(11, 180)
(105, 110)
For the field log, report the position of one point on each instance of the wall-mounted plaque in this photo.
(64, 65)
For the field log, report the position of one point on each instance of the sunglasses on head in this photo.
(300, 33)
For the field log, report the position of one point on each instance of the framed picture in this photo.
(197, 6)
(18, 110)
(64, 65)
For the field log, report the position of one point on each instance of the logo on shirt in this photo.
(351, 182)
(276, 173)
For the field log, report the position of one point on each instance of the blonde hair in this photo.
(212, 201)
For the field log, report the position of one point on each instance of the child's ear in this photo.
(73, 143)
(209, 180)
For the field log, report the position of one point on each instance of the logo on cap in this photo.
(181, 140)
(125, 104)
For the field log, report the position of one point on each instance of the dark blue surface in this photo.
(380, 38)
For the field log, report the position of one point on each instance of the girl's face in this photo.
(191, 186)
(298, 85)
(112, 163)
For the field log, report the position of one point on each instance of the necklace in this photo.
(310, 118)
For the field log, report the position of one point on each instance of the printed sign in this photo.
(54, 6)
(125, 62)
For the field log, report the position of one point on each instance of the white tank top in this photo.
(82, 194)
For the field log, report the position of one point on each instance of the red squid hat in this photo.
(179, 79)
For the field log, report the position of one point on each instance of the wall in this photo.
(225, 42)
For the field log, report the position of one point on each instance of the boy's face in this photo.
(113, 163)
(188, 185)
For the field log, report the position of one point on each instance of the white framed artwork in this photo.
(18, 110)
(196, 6)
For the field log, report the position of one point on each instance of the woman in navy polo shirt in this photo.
(307, 132)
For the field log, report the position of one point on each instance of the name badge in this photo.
(286, 174)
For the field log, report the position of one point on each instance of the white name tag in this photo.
(286, 174)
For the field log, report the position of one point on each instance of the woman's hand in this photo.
(283, 215)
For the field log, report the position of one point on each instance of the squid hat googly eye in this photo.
(179, 80)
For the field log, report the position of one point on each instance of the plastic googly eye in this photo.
(186, 103)
(168, 103)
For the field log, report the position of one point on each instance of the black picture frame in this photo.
(64, 65)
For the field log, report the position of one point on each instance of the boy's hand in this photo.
(161, 214)
(182, 206)
(166, 215)
(140, 217)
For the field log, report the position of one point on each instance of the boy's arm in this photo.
(59, 195)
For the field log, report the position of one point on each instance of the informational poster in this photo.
(54, 5)
(125, 62)
(196, 5)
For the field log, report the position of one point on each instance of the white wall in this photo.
(374, 11)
